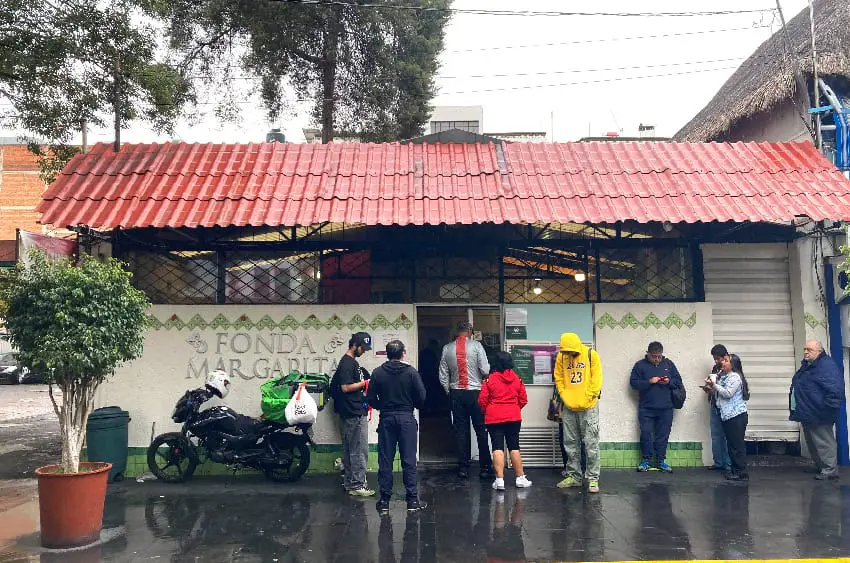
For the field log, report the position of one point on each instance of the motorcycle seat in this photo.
(273, 424)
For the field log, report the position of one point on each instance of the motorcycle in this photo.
(219, 434)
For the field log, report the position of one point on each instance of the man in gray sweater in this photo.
(463, 366)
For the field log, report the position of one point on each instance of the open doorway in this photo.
(437, 327)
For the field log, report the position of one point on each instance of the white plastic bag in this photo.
(302, 409)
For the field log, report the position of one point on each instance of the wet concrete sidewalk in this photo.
(781, 513)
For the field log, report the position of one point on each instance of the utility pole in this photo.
(552, 124)
(798, 74)
(116, 106)
(818, 136)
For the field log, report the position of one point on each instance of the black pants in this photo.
(465, 409)
(735, 430)
(655, 426)
(397, 429)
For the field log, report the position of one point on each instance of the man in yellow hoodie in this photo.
(578, 378)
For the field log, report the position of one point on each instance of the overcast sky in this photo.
(575, 87)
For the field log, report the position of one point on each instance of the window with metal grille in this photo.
(547, 275)
(448, 279)
(646, 274)
(176, 277)
(529, 274)
(264, 277)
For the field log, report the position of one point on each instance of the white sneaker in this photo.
(499, 484)
(522, 482)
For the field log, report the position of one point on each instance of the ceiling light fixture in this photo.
(537, 289)
(580, 277)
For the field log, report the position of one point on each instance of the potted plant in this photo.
(76, 323)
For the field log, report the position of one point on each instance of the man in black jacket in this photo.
(396, 389)
(654, 377)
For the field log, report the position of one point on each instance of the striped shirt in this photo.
(463, 364)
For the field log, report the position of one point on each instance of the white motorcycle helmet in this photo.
(218, 382)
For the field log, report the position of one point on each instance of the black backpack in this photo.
(678, 395)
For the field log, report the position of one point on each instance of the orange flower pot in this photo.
(71, 504)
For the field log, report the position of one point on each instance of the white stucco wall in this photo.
(238, 338)
(623, 331)
(808, 286)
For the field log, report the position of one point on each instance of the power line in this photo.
(603, 80)
(577, 70)
(606, 39)
(526, 13)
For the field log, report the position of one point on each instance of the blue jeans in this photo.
(718, 440)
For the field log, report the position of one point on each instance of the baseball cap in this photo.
(362, 339)
(464, 326)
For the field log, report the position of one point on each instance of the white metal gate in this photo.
(748, 286)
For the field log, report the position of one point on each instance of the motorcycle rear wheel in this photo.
(293, 471)
(171, 451)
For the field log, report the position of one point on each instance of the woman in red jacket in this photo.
(501, 400)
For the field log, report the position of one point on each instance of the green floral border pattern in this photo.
(629, 320)
(813, 321)
(243, 322)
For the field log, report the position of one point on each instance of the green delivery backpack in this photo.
(276, 393)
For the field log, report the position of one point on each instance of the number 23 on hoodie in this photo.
(578, 378)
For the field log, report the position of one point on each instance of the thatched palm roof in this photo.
(766, 78)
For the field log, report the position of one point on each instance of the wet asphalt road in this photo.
(29, 431)
(781, 513)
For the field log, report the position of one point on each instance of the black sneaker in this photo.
(383, 507)
(463, 473)
(416, 506)
(827, 477)
(487, 474)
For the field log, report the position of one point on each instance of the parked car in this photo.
(11, 372)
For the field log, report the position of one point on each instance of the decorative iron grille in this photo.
(546, 275)
(263, 277)
(189, 278)
(533, 274)
(646, 274)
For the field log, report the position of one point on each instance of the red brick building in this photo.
(21, 189)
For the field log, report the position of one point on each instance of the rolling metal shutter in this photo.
(540, 446)
(748, 286)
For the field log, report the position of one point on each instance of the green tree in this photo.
(68, 64)
(365, 70)
(76, 323)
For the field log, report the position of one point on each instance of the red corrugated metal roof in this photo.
(192, 185)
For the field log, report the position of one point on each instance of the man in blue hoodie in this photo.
(654, 377)
(816, 397)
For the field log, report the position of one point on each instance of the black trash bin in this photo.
(106, 439)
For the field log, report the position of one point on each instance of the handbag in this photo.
(302, 409)
(555, 406)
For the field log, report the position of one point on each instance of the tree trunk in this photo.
(73, 419)
(328, 66)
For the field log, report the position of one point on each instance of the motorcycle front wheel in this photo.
(298, 461)
(169, 458)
